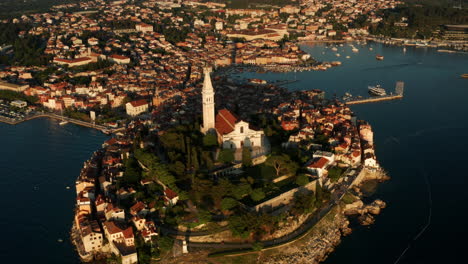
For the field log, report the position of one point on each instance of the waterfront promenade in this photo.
(102, 128)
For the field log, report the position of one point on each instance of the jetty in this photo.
(398, 95)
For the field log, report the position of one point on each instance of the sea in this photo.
(420, 141)
(39, 163)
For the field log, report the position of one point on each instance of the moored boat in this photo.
(465, 76)
(379, 57)
(377, 90)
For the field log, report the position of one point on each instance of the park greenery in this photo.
(423, 20)
(11, 96)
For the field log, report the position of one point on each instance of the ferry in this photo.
(379, 57)
(465, 76)
(377, 90)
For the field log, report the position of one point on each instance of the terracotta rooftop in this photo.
(138, 103)
(319, 163)
(225, 121)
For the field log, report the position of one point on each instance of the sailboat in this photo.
(63, 122)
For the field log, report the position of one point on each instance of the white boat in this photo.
(355, 50)
(334, 49)
(338, 55)
(62, 123)
(377, 90)
(404, 49)
(370, 48)
(348, 57)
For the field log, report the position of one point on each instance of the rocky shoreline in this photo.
(326, 235)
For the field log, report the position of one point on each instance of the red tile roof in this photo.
(319, 164)
(170, 193)
(225, 121)
(138, 103)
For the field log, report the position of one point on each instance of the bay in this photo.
(38, 160)
(420, 141)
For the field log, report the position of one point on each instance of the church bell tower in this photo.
(208, 102)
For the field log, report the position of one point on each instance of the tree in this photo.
(246, 157)
(304, 203)
(132, 172)
(226, 156)
(257, 195)
(228, 203)
(302, 179)
(241, 190)
(210, 140)
(282, 164)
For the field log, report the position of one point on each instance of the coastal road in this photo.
(337, 195)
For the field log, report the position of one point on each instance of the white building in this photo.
(19, 103)
(135, 108)
(233, 133)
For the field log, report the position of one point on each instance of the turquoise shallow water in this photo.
(420, 137)
(38, 160)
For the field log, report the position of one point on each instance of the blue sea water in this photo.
(420, 140)
(38, 160)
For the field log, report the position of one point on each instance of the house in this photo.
(144, 27)
(135, 108)
(170, 197)
(122, 242)
(91, 236)
(119, 59)
(318, 166)
(19, 103)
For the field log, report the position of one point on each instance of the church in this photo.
(232, 132)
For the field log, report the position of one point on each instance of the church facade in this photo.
(232, 132)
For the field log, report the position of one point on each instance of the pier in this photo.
(398, 95)
(102, 128)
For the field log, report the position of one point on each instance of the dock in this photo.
(398, 95)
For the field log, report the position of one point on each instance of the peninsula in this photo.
(200, 166)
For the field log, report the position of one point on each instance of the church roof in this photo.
(225, 121)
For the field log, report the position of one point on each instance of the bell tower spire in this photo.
(208, 102)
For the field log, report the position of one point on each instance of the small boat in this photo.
(370, 48)
(62, 123)
(334, 49)
(338, 55)
(379, 57)
(355, 50)
(348, 57)
(465, 76)
(404, 49)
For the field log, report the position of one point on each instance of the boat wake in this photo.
(388, 67)
(429, 218)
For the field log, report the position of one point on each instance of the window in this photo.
(242, 130)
